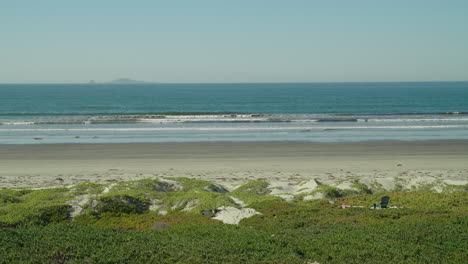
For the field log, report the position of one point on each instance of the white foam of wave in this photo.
(305, 128)
(228, 118)
(194, 119)
(412, 119)
(304, 120)
(18, 123)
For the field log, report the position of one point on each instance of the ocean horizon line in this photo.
(197, 83)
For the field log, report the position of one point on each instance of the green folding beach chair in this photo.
(384, 202)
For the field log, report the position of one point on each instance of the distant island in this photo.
(120, 81)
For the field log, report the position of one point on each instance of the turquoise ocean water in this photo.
(317, 112)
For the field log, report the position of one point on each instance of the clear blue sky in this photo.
(233, 40)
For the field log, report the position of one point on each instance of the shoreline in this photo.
(231, 163)
(254, 142)
(76, 150)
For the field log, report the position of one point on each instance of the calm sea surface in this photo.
(321, 112)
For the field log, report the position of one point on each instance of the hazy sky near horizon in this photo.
(57, 41)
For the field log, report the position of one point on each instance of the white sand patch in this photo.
(192, 204)
(231, 186)
(77, 205)
(345, 185)
(314, 197)
(279, 188)
(154, 205)
(162, 212)
(384, 183)
(179, 204)
(108, 188)
(238, 201)
(423, 180)
(455, 182)
(307, 186)
(232, 215)
(177, 186)
(426, 182)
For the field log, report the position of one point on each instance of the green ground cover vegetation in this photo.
(117, 225)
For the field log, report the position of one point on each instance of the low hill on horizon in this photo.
(120, 81)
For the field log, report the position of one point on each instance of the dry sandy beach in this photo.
(38, 166)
